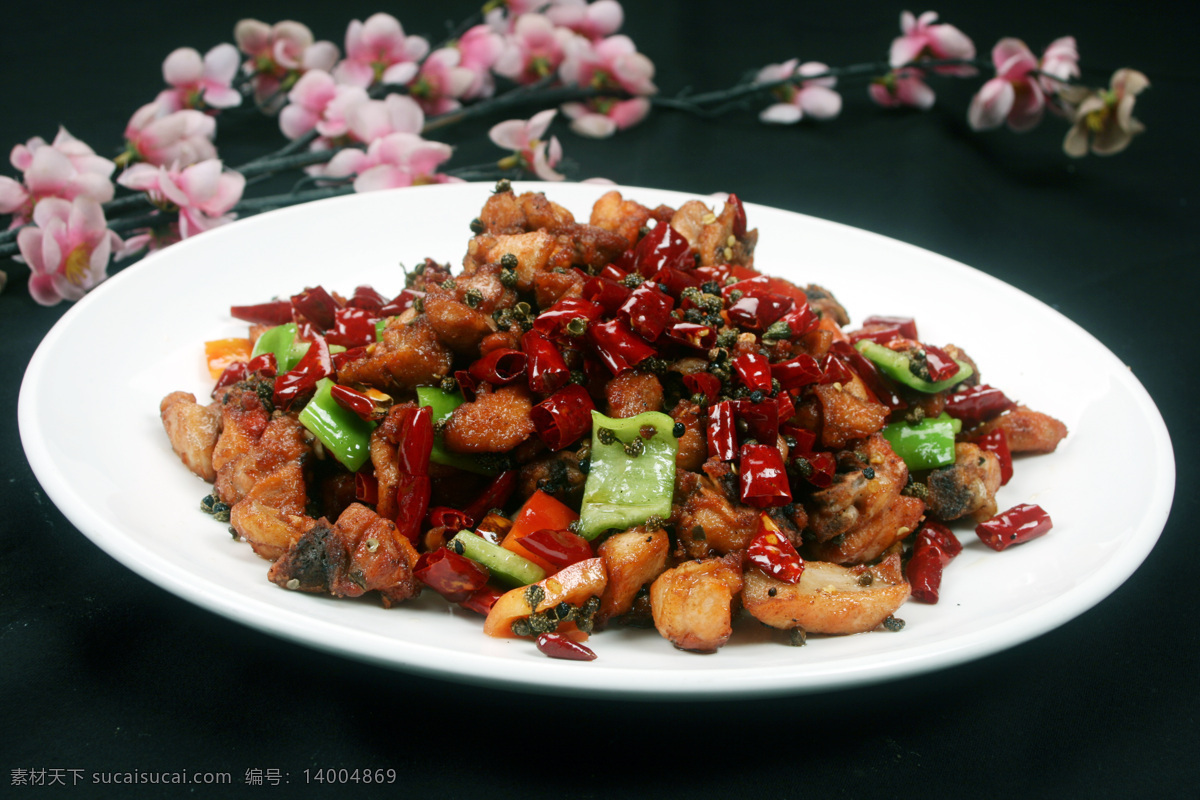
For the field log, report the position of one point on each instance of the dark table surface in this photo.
(103, 671)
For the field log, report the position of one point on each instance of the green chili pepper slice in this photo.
(281, 342)
(631, 477)
(896, 366)
(341, 431)
(502, 563)
(443, 404)
(925, 445)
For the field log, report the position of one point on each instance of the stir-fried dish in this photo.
(613, 423)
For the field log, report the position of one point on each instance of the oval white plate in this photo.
(89, 424)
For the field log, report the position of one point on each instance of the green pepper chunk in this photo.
(925, 445)
(443, 404)
(502, 563)
(281, 342)
(340, 430)
(896, 366)
(631, 478)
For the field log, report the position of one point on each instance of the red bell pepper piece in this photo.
(1017, 525)
(977, 404)
(762, 478)
(556, 645)
(617, 346)
(453, 576)
(558, 547)
(315, 364)
(771, 552)
(997, 442)
(317, 306)
(722, 432)
(500, 367)
(546, 368)
(276, 312)
(796, 373)
(648, 311)
(755, 371)
(561, 419)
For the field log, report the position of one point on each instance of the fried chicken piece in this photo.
(853, 497)
(557, 474)
(966, 487)
(1027, 431)
(845, 417)
(626, 218)
(632, 393)
(409, 355)
(359, 553)
(693, 445)
(456, 324)
(823, 302)
(693, 603)
(828, 598)
(252, 444)
(711, 235)
(271, 515)
(550, 287)
(872, 537)
(632, 559)
(507, 212)
(193, 430)
(706, 521)
(494, 422)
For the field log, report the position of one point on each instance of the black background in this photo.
(102, 671)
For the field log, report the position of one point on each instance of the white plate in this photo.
(89, 424)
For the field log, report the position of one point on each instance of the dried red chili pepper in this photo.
(366, 488)
(704, 383)
(803, 438)
(346, 356)
(722, 431)
(451, 575)
(564, 417)
(353, 327)
(757, 312)
(413, 437)
(493, 527)
(648, 311)
(401, 303)
(761, 419)
(560, 548)
(229, 376)
(787, 408)
(500, 367)
(997, 442)
(451, 519)
(276, 312)
(939, 363)
(482, 600)
(755, 371)
(692, 334)
(546, 368)
(613, 272)
(798, 372)
(315, 364)
(879, 389)
(763, 481)
(618, 347)
(675, 281)
(662, 247)
(906, 325)
(771, 552)
(934, 546)
(317, 306)
(834, 370)
(817, 468)
(1017, 525)
(739, 215)
(354, 400)
(494, 495)
(977, 404)
(556, 645)
(366, 297)
(608, 293)
(466, 384)
(553, 321)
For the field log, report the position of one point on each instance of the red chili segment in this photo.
(941, 366)
(494, 495)
(763, 481)
(797, 373)
(755, 371)
(277, 312)
(648, 311)
(556, 645)
(978, 404)
(317, 306)
(500, 367)
(617, 346)
(1017, 525)
(722, 432)
(997, 442)
(545, 368)
(564, 417)
(315, 364)
(451, 575)
(771, 552)
(353, 327)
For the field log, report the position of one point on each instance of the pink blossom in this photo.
(159, 136)
(319, 102)
(534, 50)
(902, 87)
(378, 51)
(393, 161)
(814, 97)
(374, 119)
(441, 81)
(612, 63)
(922, 39)
(1104, 118)
(524, 138)
(595, 21)
(203, 193)
(200, 83)
(278, 54)
(67, 168)
(1059, 64)
(1014, 95)
(601, 117)
(67, 248)
(479, 48)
